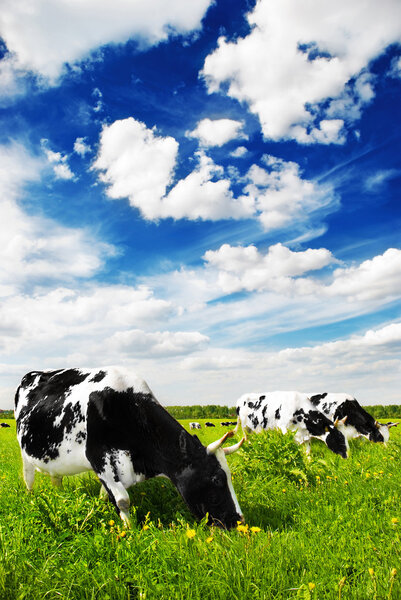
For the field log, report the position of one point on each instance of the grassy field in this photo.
(324, 528)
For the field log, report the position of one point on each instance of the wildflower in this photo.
(371, 571)
(255, 529)
(395, 520)
(242, 528)
(284, 490)
(345, 482)
(123, 534)
(311, 586)
(393, 572)
(111, 523)
(145, 527)
(209, 540)
(190, 533)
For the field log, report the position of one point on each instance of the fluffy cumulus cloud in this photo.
(281, 197)
(245, 268)
(377, 278)
(137, 163)
(42, 36)
(216, 132)
(298, 55)
(58, 161)
(136, 342)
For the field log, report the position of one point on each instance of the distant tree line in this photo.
(6, 414)
(391, 411)
(209, 411)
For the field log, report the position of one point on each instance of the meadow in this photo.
(324, 528)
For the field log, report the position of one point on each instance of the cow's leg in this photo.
(28, 471)
(120, 498)
(57, 480)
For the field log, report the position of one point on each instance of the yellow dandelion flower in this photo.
(255, 529)
(345, 482)
(123, 534)
(311, 585)
(371, 571)
(393, 572)
(284, 490)
(190, 533)
(145, 527)
(111, 523)
(395, 520)
(242, 528)
(209, 540)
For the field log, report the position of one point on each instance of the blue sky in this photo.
(206, 192)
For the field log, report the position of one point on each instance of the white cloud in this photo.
(216, 132)
(245, 268)
(81, 147)
(46, 34)
(138, 164)
(329, 132)
(363, 365)
(377, 278)
(61, 168)
(282, 198)
(299, 54)
(158, 344)
(238, 152)
(377, 180)
(205, 194)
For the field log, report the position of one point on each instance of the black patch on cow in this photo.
(98, 377)
(277, 413)
(317, 398)
(357, 416)
(250, 404)
(237, 410)
(262, 397)
(298, 416)
(318, 424)
(157, 443)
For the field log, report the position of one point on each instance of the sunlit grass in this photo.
(320, 528)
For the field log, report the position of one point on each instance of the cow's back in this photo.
(51, 410)
(271, 410)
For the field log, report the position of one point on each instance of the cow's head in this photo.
(319, 426)
(381, 432)
(206, 485)
(336, 440)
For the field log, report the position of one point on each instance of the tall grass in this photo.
(320, 528)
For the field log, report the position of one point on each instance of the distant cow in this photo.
(4, 425)
(194, 425)
(108, 421)
(355, 421)
(289, 411)
(208, 424)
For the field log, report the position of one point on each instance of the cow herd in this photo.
(108, 421)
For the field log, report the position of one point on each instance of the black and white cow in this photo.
(289, 411)
(108, 421)
(194, 425)
(354, 420)
(4, 425)
(209, 424)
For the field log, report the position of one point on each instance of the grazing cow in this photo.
(289, 411)
(208, 424)
(108, 421)
(355, 421)
(194, 425)
(4, 425)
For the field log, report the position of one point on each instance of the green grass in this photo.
(328, 530)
